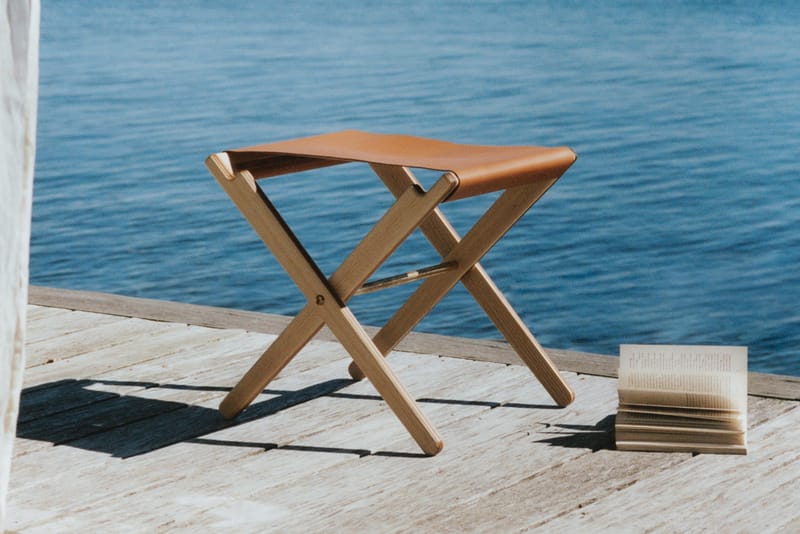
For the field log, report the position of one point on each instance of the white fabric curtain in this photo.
(19, 78)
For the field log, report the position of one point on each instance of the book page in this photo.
(696, 376)
(683, 412)
(665, 446)
(626, 417)
(679, 435)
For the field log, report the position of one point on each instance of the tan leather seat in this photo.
(479, 169)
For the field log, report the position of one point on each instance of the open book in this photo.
(682, 398)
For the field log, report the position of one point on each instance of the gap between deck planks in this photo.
(761, 384)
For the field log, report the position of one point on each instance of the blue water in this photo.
(680, 222)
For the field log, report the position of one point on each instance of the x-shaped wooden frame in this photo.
(327, 297)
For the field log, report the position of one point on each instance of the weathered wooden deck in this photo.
(119, 432)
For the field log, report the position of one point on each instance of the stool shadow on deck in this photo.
(68, 412)
(79, 413)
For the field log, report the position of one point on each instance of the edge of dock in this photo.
(759, 384)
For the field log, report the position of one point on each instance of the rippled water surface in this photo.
(680, 222)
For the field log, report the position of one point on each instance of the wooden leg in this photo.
(444, 238)
(492, 225)
(327, 297)
(498, 309)
(357, 342)
(299, 332)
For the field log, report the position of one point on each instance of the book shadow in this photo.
(599, 436)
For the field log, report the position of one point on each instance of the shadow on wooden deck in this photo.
(79, 413)
(67, 412)
(597, 437)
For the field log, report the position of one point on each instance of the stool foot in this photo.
(296, 335)
(370, 358)
(355, 372)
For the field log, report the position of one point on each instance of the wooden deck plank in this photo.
(568, 487)
(185, 382)
(195, 414)
(789, 526)
(70, 393)
(140, 392)
(216, 480)
(162, 340)
(99, 403)
(157, 310)
(291, 423)
(93, 338)
(35, 314)
(440, 392)
(66, 323)
(320, 452)
(307, 380)
(465, 408)
(221, 366)
(67, 391)
(490, 447)
(331, 445)
(755, 493)
(184, 422)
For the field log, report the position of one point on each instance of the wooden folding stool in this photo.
(522, 173)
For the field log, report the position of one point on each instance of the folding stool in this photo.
(523, 174)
